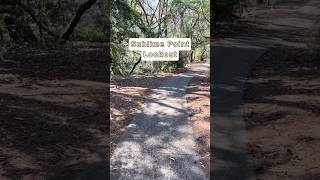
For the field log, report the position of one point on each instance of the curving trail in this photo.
(232, 59)
(159, 142)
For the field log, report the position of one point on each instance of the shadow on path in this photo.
(159, 143)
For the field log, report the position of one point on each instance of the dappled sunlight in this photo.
(167, 172)
(127, 95)
(145, 155)
(163, 108)
(159, 140)
(198, 103)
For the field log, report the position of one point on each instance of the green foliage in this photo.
(166, 18)
(43, 21)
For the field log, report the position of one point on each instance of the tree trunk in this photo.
(202, 55)
(134, 66)
(75, 20)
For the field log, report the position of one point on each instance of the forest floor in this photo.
(52, 110)
(269, 107)
(282, 109)
(282, 100)
(198, 102)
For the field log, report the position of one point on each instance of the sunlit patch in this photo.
(167, 172)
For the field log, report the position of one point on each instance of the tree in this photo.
(50, 21)
(75, 20)
(166, 18)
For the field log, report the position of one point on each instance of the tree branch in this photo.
(75, 20)
(134, 66)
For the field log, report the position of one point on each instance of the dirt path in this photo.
(159, 143)
(127, 95)
(282, 104)
(198, 101)
(232, 58)
(282, 107)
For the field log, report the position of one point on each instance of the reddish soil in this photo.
(198, 102)
(282, 113)
(52, 111)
